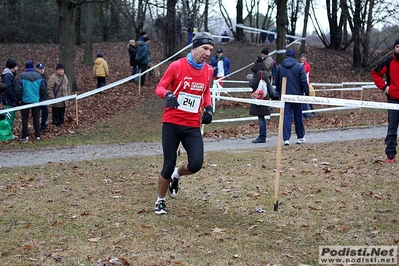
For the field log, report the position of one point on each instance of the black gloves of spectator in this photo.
(207, 115)
(171, 101)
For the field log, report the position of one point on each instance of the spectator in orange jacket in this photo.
(100, 70)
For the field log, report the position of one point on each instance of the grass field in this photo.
(101, 212)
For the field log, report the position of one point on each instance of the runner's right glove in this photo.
(171, 101)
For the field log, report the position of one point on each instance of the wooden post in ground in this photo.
(77, 111)
(279, 147)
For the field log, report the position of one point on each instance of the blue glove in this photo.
(171, 101)
(207, 115)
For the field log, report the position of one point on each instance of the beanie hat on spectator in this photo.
(396, 42)
(143, 33)
(290, 53)
(29, 64)
(265, 51)
(99, 55)
(259, 59)
(59, 66)
(11, 64)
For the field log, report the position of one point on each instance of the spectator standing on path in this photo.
(185, 86)
(259, 69)
(221, 66)
(100, 70)
(9, 98)
(30, 89)
(143, 58)
(58, 86)
(297, 84)
(307, 69)
(40, 68)
(389, 68)
(5, 129)
(132, 48)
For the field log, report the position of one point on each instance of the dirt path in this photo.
(92, 152)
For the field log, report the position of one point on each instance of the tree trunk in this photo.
(89, 22)
(281, 24)
(78, 16)
(206, 13)
(170, 36)
(366, 41)
(305, 27)
(239, 31)
(357, 59)
(66, 29)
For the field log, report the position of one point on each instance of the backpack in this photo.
(274, 69)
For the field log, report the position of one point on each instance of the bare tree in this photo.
(66, 27)
(89, 21)
(170, 36)
(240, 31)
(305, 27)
(281, 24)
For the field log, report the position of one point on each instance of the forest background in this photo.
(359, 34)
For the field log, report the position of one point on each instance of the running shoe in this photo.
(173, 187)
(160, 207)
(300, 141)
(390, 158)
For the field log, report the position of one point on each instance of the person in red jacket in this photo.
(389, 68)
(185, 86)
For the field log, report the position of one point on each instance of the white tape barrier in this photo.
(316, 100)
(339, 102)
(254, 101)
(48, 102)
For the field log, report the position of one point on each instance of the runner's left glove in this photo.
(207, 115)
(171, 101)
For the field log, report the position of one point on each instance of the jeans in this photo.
(25, 118)
(58, 114)
(392, 132)
(101, 81)
(44, 111)
(143, 68)
(262, 127)
(289, 110)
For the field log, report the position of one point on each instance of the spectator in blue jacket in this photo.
(30, 89)
(297, 84)
(9, 98)
(221, 66)
(143, 58)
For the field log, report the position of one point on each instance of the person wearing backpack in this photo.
(9, 98)
(58, 86)
(260, 73)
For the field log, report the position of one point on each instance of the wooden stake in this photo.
(77, 111)
(279, 147)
